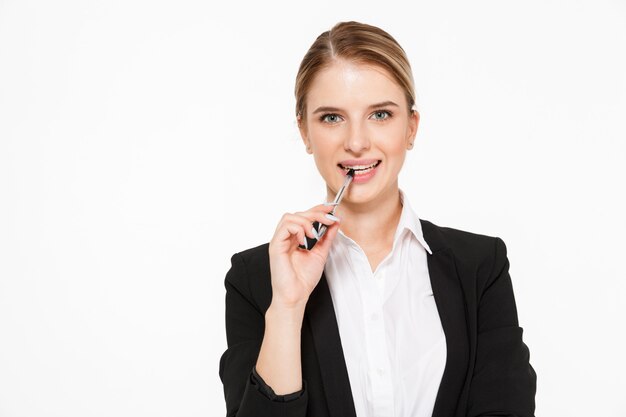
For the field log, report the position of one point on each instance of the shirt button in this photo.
(375, 317)
(380, 371)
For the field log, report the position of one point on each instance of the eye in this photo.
(381, 115)
(330, 118)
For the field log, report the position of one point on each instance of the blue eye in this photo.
(381, 115)
(330, 118)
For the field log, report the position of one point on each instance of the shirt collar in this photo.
(408, 221)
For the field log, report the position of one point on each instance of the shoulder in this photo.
(463, 242)
(479, 253)
(256, 257)
(249, 275)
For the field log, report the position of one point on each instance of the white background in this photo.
(142, 143)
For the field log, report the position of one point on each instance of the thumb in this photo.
(322, 247)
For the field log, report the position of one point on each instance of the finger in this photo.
(292, 230)
(325, 206)
(320, 216)
(307, 221)
(321, 208)
(288, 236)
(297, 219)
(322, 247)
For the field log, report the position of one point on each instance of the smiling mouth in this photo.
(360, 169)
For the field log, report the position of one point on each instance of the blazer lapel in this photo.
(321, 316)
(451, 305)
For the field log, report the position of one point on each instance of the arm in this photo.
(504, 382)
(271, 339)
(279, 360)
(246, 395)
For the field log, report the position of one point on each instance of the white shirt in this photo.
(391, 333)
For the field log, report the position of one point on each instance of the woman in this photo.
(387, 315)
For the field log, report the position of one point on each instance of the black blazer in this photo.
(487, 371)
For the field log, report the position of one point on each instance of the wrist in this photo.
(285, 313)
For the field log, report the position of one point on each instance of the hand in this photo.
(295, 272)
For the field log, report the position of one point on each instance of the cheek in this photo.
(322, 150)
(324, 159)
(325, 142)
(395, 141)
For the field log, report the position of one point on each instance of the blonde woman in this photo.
(388, 314)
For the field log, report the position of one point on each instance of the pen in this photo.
(320, 229)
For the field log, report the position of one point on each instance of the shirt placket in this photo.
(379, 367)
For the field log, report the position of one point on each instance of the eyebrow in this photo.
(326, 109)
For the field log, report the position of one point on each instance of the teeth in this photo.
(360, 168)
(363, 171)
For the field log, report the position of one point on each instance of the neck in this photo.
(372, 224)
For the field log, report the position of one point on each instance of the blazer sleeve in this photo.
(503, 382)
(245, 326)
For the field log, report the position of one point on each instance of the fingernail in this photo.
(331, 203)
(331, 217)
(306, 246)
(315, 233)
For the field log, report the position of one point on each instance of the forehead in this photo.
(350, 84)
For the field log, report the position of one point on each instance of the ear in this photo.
(414, 121)
(303, 134)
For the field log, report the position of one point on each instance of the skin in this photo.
(357, 127)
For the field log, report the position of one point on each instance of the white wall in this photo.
(142, 143)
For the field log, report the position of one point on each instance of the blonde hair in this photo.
(358, 42)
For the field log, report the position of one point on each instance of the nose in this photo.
(357, 139)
